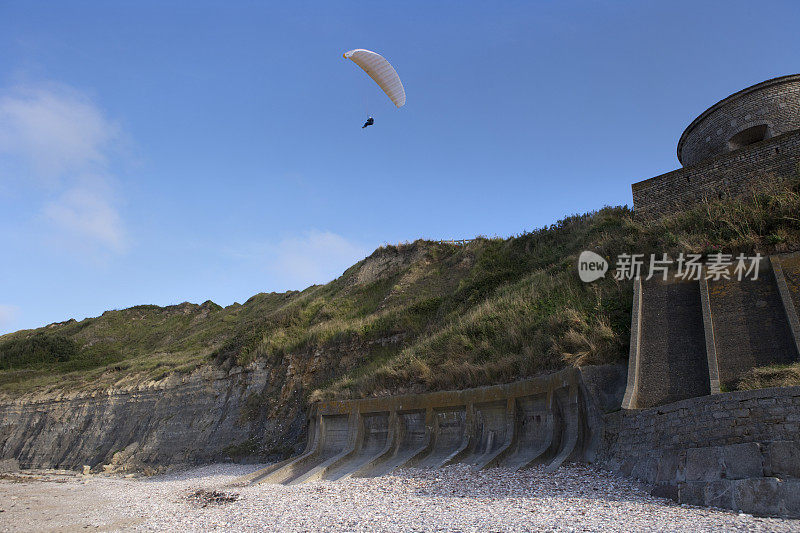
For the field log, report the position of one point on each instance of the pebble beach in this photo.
(574, 498)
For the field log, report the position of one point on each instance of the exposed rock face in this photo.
(386, 262)
(208, 415)
(214, 413)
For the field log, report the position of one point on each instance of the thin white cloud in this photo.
(309, 258)
(55, 129)
(314, 257)
(58, 140)
(86, 211)
(8, 314)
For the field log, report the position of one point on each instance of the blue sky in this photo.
(154, 152)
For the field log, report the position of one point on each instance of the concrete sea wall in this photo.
(549, 419)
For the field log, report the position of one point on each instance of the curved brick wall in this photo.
(770, 108)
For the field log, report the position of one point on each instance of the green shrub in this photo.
(92, 357)
(36, 351)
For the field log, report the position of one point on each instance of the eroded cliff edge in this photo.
(207, 415)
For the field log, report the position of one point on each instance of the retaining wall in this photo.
(549, 419)
(694, 338)
(672, 363)
(738, 450)
(750, 325)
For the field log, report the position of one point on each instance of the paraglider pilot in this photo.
(370, 121)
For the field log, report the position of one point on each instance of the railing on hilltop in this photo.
(458, 242)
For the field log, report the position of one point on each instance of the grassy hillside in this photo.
(420, 316)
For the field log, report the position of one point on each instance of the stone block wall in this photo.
(762, 415)
(738, 450)
(729, 174)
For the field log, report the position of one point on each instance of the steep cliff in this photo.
(148, 386)
(216, 412)
(181, 419)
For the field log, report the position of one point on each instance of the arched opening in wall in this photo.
(748, 136)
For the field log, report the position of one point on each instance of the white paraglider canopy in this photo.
(376, 66)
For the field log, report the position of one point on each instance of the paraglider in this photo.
(377, 68)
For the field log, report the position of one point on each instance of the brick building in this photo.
(731, 147)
